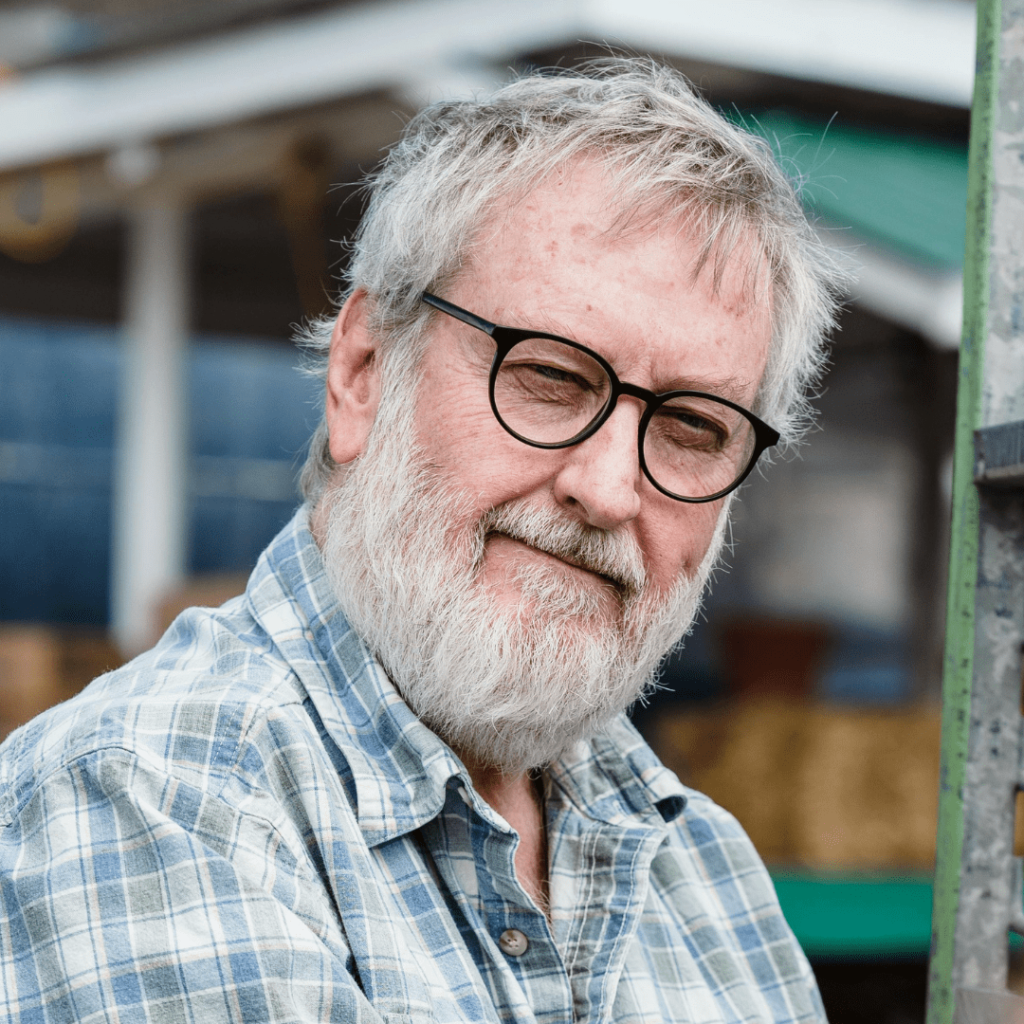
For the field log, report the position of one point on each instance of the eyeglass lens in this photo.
(550, 393)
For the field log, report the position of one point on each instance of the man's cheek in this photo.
(699, 534)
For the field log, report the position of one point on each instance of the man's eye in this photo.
(547, 376)
(698, 423)
(690, 428)
(556, 373)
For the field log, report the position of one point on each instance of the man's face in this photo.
(553, 264)
(509, 652)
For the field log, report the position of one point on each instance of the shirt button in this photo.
(513, 942)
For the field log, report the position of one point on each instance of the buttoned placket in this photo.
(474, 853)
(600, 874)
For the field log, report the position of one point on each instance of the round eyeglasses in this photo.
(550, 392)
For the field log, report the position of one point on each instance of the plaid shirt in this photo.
(248, 823)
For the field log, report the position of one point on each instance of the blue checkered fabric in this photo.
(248, 823)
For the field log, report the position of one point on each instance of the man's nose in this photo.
(601, 476)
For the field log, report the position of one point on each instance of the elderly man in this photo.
(394, 781)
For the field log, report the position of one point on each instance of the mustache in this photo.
(615, 556)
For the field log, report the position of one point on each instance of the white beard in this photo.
(512, 687)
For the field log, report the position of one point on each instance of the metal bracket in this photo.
(999, 455)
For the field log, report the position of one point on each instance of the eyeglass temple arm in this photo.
(459, 313)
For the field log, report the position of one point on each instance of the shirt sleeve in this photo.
(128, 894)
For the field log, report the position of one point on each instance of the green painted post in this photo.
(963, 564)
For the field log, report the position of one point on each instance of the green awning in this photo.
(858, 915)
(906, 192)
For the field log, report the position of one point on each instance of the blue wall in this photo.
(251, 415)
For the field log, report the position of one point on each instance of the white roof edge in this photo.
(919, 48)
(298, 62)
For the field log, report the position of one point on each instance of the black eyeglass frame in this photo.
(506, 338)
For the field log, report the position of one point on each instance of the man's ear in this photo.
(353, 380)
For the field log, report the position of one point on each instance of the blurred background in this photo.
(177, 179)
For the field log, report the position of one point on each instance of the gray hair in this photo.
(667, 153)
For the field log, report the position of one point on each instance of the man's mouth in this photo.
(610, 559)
(620, 586)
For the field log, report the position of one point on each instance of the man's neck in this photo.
(520, 801)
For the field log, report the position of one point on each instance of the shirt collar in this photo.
(616, 777)
(400, 768)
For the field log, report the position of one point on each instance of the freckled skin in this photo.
(632, 300)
